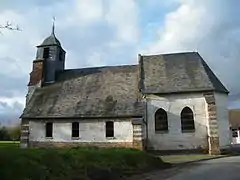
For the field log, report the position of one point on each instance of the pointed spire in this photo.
(53, 26)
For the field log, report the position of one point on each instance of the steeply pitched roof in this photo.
(51, 40)
(88, 92)
(178, 72)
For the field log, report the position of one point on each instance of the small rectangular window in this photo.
(46, 52)
(49, 129)
(109, 129)
(234, 133)
(75, 129)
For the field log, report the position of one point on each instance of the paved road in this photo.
(227, 168)
(217, 169)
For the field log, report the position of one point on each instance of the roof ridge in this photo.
(173, 53)
(101, 67)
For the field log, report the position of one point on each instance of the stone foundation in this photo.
(80, 144)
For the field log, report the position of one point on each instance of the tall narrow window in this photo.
(49, 129)
(187, 119)
(109, 129)
(161, 120)
(46, 52)
(75, 129)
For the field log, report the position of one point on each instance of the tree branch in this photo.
(9, 26)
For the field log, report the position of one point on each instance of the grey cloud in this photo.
(12, 86)
(221, 45)
(85, 41)
(9, 115)
(218, 39)
(80, 41)
(214, 33)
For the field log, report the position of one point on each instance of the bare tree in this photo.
(9, 26)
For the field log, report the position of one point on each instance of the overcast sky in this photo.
(114, 32)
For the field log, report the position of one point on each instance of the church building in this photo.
(164, 102)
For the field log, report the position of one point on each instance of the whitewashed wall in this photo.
(90, 130)
(174, 139)
(223, 120)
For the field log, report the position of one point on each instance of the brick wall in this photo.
(37, 73)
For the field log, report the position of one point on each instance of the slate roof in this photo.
(88, 92)
(50, 40)
(113, 91)
(177, 72)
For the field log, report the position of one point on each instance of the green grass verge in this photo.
(187, 158)
(9, 144)
(75, 163)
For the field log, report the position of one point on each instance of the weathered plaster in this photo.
(175, 139)
(90, 131)
(222, 119)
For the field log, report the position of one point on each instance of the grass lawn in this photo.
(74, 163)
(9, 144)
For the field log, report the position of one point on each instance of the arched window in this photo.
(187, 119)
(161, 120)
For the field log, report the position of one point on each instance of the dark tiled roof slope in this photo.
(89, 92)
(113, 91)
(178, 72)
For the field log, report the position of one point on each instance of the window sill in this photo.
(76, 138)
(161, 131)
(48, 137)
(110, 138)
(188, 131)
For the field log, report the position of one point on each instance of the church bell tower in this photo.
(50, 59)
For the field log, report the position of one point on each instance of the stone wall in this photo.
(138, 139)
(213, 137)
(24, 136)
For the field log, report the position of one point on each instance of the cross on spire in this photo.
(53, 26)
